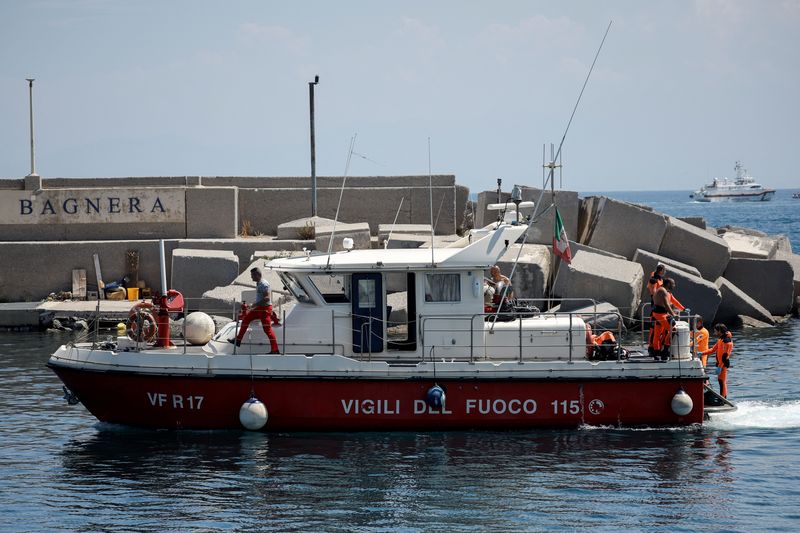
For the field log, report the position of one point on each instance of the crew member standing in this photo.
(663, 317)
(262, 310)
(656, 280)
(724, 351)
(700, 340)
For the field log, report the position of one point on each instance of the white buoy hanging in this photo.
(682, 403)
(253, 414)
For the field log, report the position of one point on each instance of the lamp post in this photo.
(311, 85)
(30, 102)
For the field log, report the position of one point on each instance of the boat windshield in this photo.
(334, 288)
(297, 290)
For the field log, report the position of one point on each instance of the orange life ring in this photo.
(142, 325)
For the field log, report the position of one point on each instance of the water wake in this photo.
(759, 414)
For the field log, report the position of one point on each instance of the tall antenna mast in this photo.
(341, 193)
(430, 194)
(30, 106)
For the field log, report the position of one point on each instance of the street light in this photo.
(30, 101)
(311, 85)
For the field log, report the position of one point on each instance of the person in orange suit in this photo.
(663, 317)
(700, 339)
(597, 340)
(724, 350)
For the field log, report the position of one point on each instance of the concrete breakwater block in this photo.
(604, 279)
(359, 232)
(698, 222)
(749, 244)
(574, 247)
(532, 272)
(770, 282)
(735, 302)
(406, 240)
(794, 260)
(699, 295)
(196, 271)
(689, 244)
(649, 261)
(384, 230)
(303, 228)
(620, 227)
(601, 317)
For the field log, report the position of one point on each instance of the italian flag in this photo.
(560, 241)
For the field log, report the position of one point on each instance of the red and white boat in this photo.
(341, 368)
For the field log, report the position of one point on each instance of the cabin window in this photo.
(334, 288)
(442, 288)
(297, 290)
(366, 293)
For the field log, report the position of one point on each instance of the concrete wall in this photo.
(32, 270)
(217, 207)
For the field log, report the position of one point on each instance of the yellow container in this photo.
(133, 293)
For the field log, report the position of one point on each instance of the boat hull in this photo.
(348, 404)
(762, 196)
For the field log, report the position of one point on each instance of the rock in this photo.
(688, 244)
(602, 316)
(698, 222)
(80, 325)
(620, 227)
(770, 282)
(736, 302)
(794, 260)
(604, 279)
(750, 322)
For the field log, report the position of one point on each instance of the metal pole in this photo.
(311, 85)
(30, 105)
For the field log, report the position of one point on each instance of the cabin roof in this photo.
(482, 253)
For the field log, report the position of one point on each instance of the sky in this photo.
(680, 90)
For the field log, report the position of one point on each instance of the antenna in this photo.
(557, 155)
(386, 242)
(430, 194)
(552, 164)
(341, 193)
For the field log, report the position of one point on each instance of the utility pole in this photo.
(311, 85)
(30, 102)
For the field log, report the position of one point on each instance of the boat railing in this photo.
(475, 327)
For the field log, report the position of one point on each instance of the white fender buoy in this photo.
(682, 403)
(198, 328)
(253, 414)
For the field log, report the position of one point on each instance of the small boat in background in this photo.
(796, 196)
(743, 189)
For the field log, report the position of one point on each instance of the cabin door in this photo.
(368, 308)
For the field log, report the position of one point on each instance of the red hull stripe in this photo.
(351, 405)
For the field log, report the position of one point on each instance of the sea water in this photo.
(61, 470)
